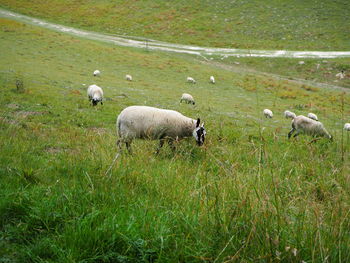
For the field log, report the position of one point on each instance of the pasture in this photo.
(248, 195)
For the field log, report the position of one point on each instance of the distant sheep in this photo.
(128, 77)
(268, 113)
(97, 73)
(289, 115)
(347, 126)
(340, 75)
(212, 80)
(312, 116)
(191, 80)
(143, 122)
(187, 98)
(95, 94)
(302, 124)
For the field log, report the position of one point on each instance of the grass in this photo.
(248, 195)
(292, 25)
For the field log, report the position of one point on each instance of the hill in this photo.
(292, 25)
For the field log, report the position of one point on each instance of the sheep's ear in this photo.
(198, 122)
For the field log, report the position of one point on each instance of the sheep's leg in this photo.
(161, 143)
(290, 133)
(171, 144)
(119, 142)
(128, 146)
(295, 135)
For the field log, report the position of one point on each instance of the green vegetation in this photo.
(248, 195)
(293, 25)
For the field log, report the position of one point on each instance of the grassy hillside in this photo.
(248, 195)
(294, 25)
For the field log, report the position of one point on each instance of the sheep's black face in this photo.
(199, 133)
(94, 102)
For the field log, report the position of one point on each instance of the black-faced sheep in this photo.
(187, 98)
(305, 125)
(95, 94)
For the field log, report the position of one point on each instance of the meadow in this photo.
(248, 195)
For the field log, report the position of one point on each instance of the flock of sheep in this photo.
(143, 122)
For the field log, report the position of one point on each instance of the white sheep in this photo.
(347, 126)
(289, 115)
(151, 123)
(95, 94)
(187, 98)
(302, 124)
(312, 116)
(128, 77)
(191, 80)
(340, 75)
(212, 79)
(97, 73)
(268, 113)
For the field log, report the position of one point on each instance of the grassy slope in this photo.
(246, 196)
(298, 25)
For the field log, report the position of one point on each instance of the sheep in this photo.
(97, 73)
(302, 124)
(143, 122)
(212, 80)
(128, 77)
(268, 113)
(187, 98)
(289, 114)
(95, 94)
(340, 75)
(347, 126)
(312, 116)
(191, 80)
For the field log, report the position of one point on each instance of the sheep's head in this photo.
(199, 133)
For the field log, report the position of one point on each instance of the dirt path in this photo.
(200, 51)
(169, 47)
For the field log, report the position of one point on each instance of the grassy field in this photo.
(248, 195)
(293, 25)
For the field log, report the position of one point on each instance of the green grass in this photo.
(293, 25)
(248, 195)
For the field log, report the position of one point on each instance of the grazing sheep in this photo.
(191, 80)
(145, 122)
(187, 98)
(268, 113)
(340, 75)
(302, 124)
(95, 94)
(347, 126)
(212, 80)
(97, 73)
(312, 116)
(128, 77)
(289, 115)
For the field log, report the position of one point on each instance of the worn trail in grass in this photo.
(248, 195)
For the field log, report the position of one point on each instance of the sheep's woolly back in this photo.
(309, 126)
(153, 123)
(95, 92)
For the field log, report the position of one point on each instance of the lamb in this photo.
(289, 115)
(95, 94)
(187, 98)
(143, 122)
(347, 126)
(212, 80)
(97, 73)
(128, 77)
(312, 116)
(268, 113)
(191, 80)
(302, 124)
